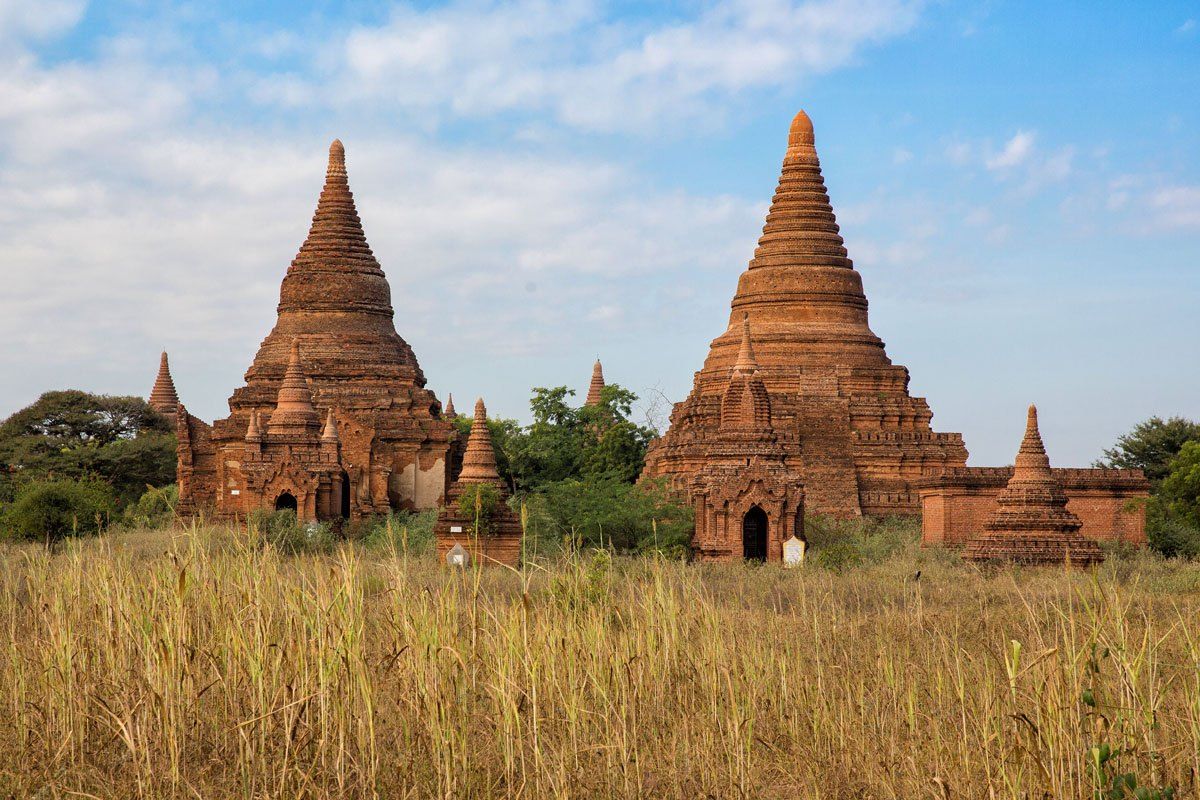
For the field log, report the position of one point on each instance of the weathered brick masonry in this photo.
(335, 330)
(1109, 502)
(841, 415)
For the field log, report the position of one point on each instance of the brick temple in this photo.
(499, 541)
(334, 419)
(958, 505)
(840, 411)
(1030, 522)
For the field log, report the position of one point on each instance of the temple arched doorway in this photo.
(754, 535)
(345, 505)
(286, 502)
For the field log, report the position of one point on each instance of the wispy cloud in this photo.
(569, 60)
(1176, 207)
(1015, 152)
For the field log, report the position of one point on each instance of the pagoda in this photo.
(1031, 523)
(498, 539)
(595, 391)
(363, 390)
(163, 397)
(840, 409)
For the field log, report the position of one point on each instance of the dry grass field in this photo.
(200, 664)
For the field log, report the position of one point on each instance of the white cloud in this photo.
(1187, 27)
(1016, 151)
(566, 59)
(20, 19)
(127, 225)
(1176, 207)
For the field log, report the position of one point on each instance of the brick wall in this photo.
(1110, 502)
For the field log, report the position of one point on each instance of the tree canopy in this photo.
(72, 434)
(575, 468)
(1151, 446)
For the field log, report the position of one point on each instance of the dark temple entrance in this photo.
(754, 534)
(345, 509)
(286, 502)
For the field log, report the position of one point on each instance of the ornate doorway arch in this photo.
(286, 502)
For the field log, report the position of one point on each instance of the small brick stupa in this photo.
(1031, 524)
(335, 327)
(163, 397)
(293, 457)
(849, 427)
(747, 501)
(500, 540)
(596, 387)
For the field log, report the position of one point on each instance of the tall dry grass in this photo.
(200, 665)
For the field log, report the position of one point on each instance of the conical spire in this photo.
(294, 412)
(801, 230)
(253, 429)
(596, 387)
(330, 433)
(801, 289)
(449, 410)
(479, 460)
(1032, 463)
(745, 361)
(746, 406)
(163, 397)
(336, 244)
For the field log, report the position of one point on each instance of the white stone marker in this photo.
(793, 552)
(458, 556)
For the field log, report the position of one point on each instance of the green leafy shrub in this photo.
(154, 509)
(839, 556)
(860, 541)
(1173, 538)
(479, 502)
(53, 509)
(607, 513)
(282, 530)
(401, 532)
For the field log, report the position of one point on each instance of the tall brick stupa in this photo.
(839, 406)
(333, 370)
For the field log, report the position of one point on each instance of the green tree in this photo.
(53, 509)
(1151, 445)
(614, 446)
(73, 434)
(551, 447)
(565, 442)
(1179, 492)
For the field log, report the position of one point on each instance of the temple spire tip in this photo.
(745, 360)
(801, 133)
(337, 158)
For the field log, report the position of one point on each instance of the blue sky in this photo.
(545, 183)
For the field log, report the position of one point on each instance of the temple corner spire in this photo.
(163, 397)
(596, 387)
